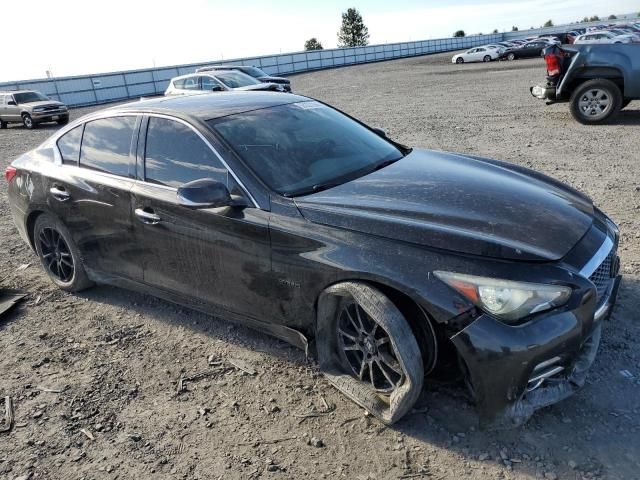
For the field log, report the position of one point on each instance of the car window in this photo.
(482, 49)
(69, 145)
(299, 147)
(191, 83)
(179, 83)
(208, 83)
(107, 144)
(175, 155)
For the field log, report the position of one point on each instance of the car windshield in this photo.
(29, 97)
(304, 147)
(254, 72)
(236, 79)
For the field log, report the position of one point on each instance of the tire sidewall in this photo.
(27, 121)
(602, 84)
(511, 57)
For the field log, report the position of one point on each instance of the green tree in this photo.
(353, 32)
(313, 44)
(495, 30)
(612, 17)
(595, 18)
(548, 23)
(459, 33)
(585, 19)
(514, 29)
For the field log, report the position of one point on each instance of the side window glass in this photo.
(69, 146)
(178, 83)
(106, 145)
(191, 83)
(175, 155)
(208, 83)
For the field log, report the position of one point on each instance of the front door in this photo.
(219, 256)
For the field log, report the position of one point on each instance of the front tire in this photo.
(27, 121)
(58, 255)
(62, 121)
(459, 60)
(367, 349)
(511, 57)
(596, 102)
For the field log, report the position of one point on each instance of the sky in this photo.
(73, 37)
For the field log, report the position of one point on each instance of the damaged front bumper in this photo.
(513, 371)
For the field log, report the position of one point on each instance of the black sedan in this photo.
(390, 264)
(527, 50)
(252, 71)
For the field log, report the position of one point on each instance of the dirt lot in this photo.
(94, 376)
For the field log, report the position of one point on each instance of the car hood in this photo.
(270, 79)
(459, 203)
(44, 103)
(260, 86)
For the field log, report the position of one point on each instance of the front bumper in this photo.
(515, 370)
(50, 116)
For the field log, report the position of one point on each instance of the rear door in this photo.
(219, 256)
(90, 192)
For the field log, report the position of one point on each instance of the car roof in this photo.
(200, 74)
(228, 66)
(7, 92)
(212, 105)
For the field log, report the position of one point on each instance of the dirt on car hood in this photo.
(459, 203)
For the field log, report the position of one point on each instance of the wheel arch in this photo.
(30, 224)
(593, 73)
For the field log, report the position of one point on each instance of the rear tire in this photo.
(487, 58)
(58, 255)
(596, 101)
(27, 121)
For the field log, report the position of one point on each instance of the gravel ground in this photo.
(94, 376)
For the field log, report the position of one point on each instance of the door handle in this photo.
(59, 193)
(147, 216)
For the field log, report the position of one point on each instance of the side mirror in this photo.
(380, 132)
(204, 193)
(12, 102)
(217, 88)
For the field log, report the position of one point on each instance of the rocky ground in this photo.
(110, 384)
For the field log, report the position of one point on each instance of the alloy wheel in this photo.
(56, 254)
(28, 122)
(595, 103)
(367, 349)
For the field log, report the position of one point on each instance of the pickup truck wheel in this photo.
(27, 121)
(596, 101)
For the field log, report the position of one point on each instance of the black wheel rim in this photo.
(366, 349)
(56, 254)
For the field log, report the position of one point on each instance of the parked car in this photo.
(290, 216)
(219, 81)
(30, 108)
(252, 71)
(602, 37)
(623, 32)
(498, 48)
(476, 54)
(554, 39)
(528, 50)
(597, 82)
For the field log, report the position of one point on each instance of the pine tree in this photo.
(353, 32)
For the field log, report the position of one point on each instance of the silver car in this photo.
(30, 108)
(219, 81)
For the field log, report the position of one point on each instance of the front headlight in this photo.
(38, 109)
(508, 301)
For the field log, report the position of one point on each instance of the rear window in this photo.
(107, 144)
(69, 146)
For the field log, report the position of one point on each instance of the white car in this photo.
(218, 81)
(601, 37)
(499, 48)
(550, 39)
(477, 54)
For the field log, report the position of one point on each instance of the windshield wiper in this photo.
(384, 163)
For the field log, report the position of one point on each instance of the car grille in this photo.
(49, 108)
(602, 277)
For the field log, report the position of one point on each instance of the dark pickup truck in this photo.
(597, 80)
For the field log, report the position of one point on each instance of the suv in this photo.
(221, 81)
(252, 71)
(30, 108)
